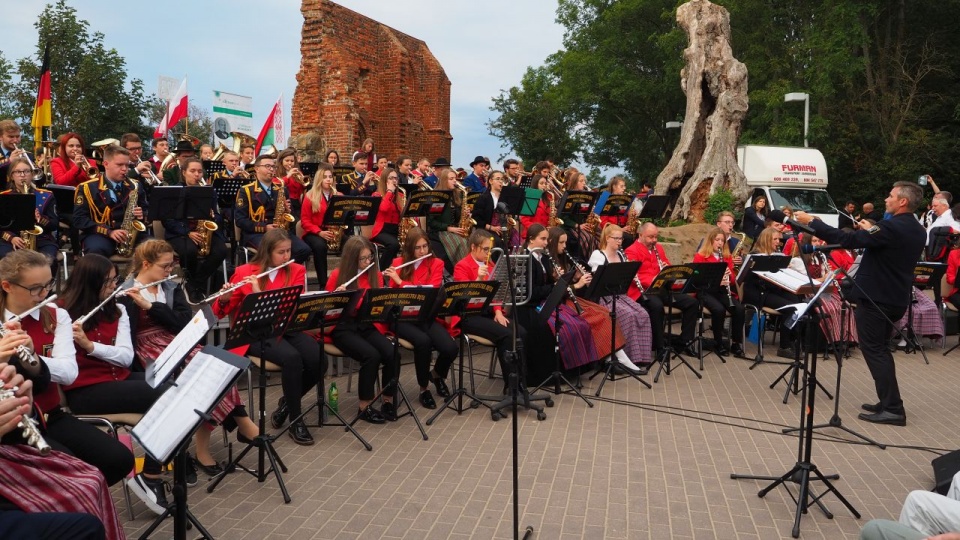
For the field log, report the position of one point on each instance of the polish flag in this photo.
(176, 111)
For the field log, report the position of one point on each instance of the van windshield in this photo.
(813, 201)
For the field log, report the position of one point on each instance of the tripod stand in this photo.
(662, 285)
(552, 306)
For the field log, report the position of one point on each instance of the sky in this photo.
(253, 48)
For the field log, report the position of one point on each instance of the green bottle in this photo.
(333, 397)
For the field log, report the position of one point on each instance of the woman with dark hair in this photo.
(542, 214)
(387, 227)
(311, 218)
(433, 335)
(362, 341)
(294, 180)
(70, 166)
(332, 157)
(582, 237)
(447, 238)
(296, 353)
(817, 265)
(367, 148)
(486, 216)
(20, 181)
(755, 217)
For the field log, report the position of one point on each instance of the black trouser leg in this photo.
(422, 350)
(87, 443)
(369, 347)
(320, 249)
(391, 246)
(495, 332)
(688, 307)
(654, 306)
(874, 328)
(299, 357)
(717, 314)
(447, 348)
(18, 525)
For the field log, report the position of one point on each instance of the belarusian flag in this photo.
(42, 115)
(272, 130)
(176, 111)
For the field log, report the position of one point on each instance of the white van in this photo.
(788, 176)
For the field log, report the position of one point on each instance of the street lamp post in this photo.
(805, 98)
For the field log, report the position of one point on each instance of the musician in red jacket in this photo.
(315, 234)
(296, 353)
(652, 259)
(542, 215)
(70, 167)
(953, 264)
(714, 248)
(430, 336)
(387, 227)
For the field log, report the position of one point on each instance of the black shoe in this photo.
(690, 348)
(643, 369)
(300, 434)
(279, 416)
(441, 386)
(371, 415)
(150, 491)
(388, 411)
(209, 470)
(721, 351)
(872, 407)
(884, 417)
(736, 349)
(191, 471)
(787, 352)
(426, 399)
(242, 439)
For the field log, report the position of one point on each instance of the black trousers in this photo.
(425, 340)
(495, 332)
(199, 270)
(874, 329)
(718, 305)
(365, 344)
(319, 248)
(299, 357)
(133, 395)
(436, 247)
(87, 443)
(656, 308)
(19, 525)
(391, 245)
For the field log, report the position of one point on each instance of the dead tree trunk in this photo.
(715, 84)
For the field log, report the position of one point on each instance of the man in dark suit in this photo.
(476, 181)
(845, 221)
(882, 288)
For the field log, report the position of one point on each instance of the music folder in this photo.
(351, 210)
(424, 203)
(322, 309)
(466, 298)
(173, 355)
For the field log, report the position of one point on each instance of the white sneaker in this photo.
(150, 491)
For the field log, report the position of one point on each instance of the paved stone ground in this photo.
(640, 464)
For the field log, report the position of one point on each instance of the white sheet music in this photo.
(172, 416)
(170, 358)
(787, 279)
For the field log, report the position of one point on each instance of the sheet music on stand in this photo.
(201, 385)
(801, 309)
(226, 188)
(788, 279)
(762, 263)
(520, 263)
(160, 369)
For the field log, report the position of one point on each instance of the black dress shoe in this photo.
(871, 407)
(737, 350)
(884, 417)
(721, 350)
(209, 470)
(279, 416)
(371, 415)
(300, 434)
(441, 386)
(389, 411)
(643, 369)
(426, 399)
(690, 348)
(787, 352)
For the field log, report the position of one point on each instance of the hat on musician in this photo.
(184, 146)
(440, 162)
(479, 159)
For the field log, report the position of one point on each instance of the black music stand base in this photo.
(667, 357)
(521, 397)
(183, 518)
(458, 394)
(793, 383)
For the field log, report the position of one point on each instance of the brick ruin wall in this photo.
(359, 78)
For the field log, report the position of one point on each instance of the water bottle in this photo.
(333, 397)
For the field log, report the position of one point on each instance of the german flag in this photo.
(42, 116)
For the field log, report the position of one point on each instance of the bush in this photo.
(718, 202)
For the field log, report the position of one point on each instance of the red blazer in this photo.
(67, 173)
(649, 266)
(542, 216)
(430, 272)
(845, 260)
(362, 284)
(288, 276)
(312, 222)
(697, 258)
(389, 213)
(468, 270)
(294, 189)
(953, 262)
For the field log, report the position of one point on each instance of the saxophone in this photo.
(553, 220)
(29, 236)
(281, 218)
(633, 222)
(739, 249)
(206, 228)
(466, 221)
(131, 225)
(405, 223)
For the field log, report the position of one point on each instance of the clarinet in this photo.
(556, 273)
(31, 432)
(636, 278)
(726, 271)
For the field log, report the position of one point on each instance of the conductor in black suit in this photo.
(882, 288)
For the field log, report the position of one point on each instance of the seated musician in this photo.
(618, 186)
(256, 208)
(71, 167)
(10, 148)
(288, 170)
(431, 336)
(633, 319)
(173, 174)
(652, 259)
(583, 236)
(361, 181)
(448, 240)
(714, 248)
(19, 180)
(476, 181)
(726, 221)
(494, 327)
(363, 341)
(232, 168)
(387, 227)
(314, 208)
(296, 353)
(160, 147)
(25, 280)
(542, 215)
(187, 239)
(768, 243)
(100, 205)
(817, 265)
(488, 219)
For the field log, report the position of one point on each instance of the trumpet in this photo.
(298, 177)
(37, 171)
(153, 179)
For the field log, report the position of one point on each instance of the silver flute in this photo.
(27, 357)
(31, 431)
(116, 293)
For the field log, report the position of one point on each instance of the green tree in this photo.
(7, 105)
(198, 123)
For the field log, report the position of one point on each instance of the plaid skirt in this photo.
(634, 322)
(926, 316)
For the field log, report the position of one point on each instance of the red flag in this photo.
(176, 111)
(272, 131)
(42, 114)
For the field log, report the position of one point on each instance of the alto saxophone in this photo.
(31, 431)
(131, 225)
(405, 223)
(206, 228)
(281, 218)
(466, 220)
(633, 222)
(29, 236)
(553, 220)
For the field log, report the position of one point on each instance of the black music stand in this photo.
(350, 211)
(186, 425)
(226, 188)
(261, 316)
(309, 170)
(409, 304)
(761, 263)
(705, 279)
(654, 207)
(805, 471)
(211, 167)
(671, 280)
(464, 299)
(615, 206)
(424, 203)
(64, 197)
(551, 308)
(612, 280)
(317, 311)
(19, 212)
(926, 274)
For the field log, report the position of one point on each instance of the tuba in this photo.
(281, 218)
(131, 225)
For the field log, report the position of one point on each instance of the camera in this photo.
(924, 179)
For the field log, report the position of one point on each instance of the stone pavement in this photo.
(641, 464)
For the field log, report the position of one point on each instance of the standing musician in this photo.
(511, 170)
(476, 181)
(370, 156)
(139, 169)
(618, 186)
(633, 318)
(360, 181)
(296, 353)
(583, 236)
(70, 167)
(255, 211)
(248, 154)
(714, 248)
(173, 174)
(10, 146)
(494, 327)
(884, 282)
(20, 180)
(768, 243)
(652, 259)
(100, 205)
(448, 240)
(296, 183)
(332, 157)
(363, 341)
(542, 215)
(387, 227)
(161, 148)
(433, 335)
(315, 234)
(188, 236)
(486, 216)
(232, 168)
(404, 166)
